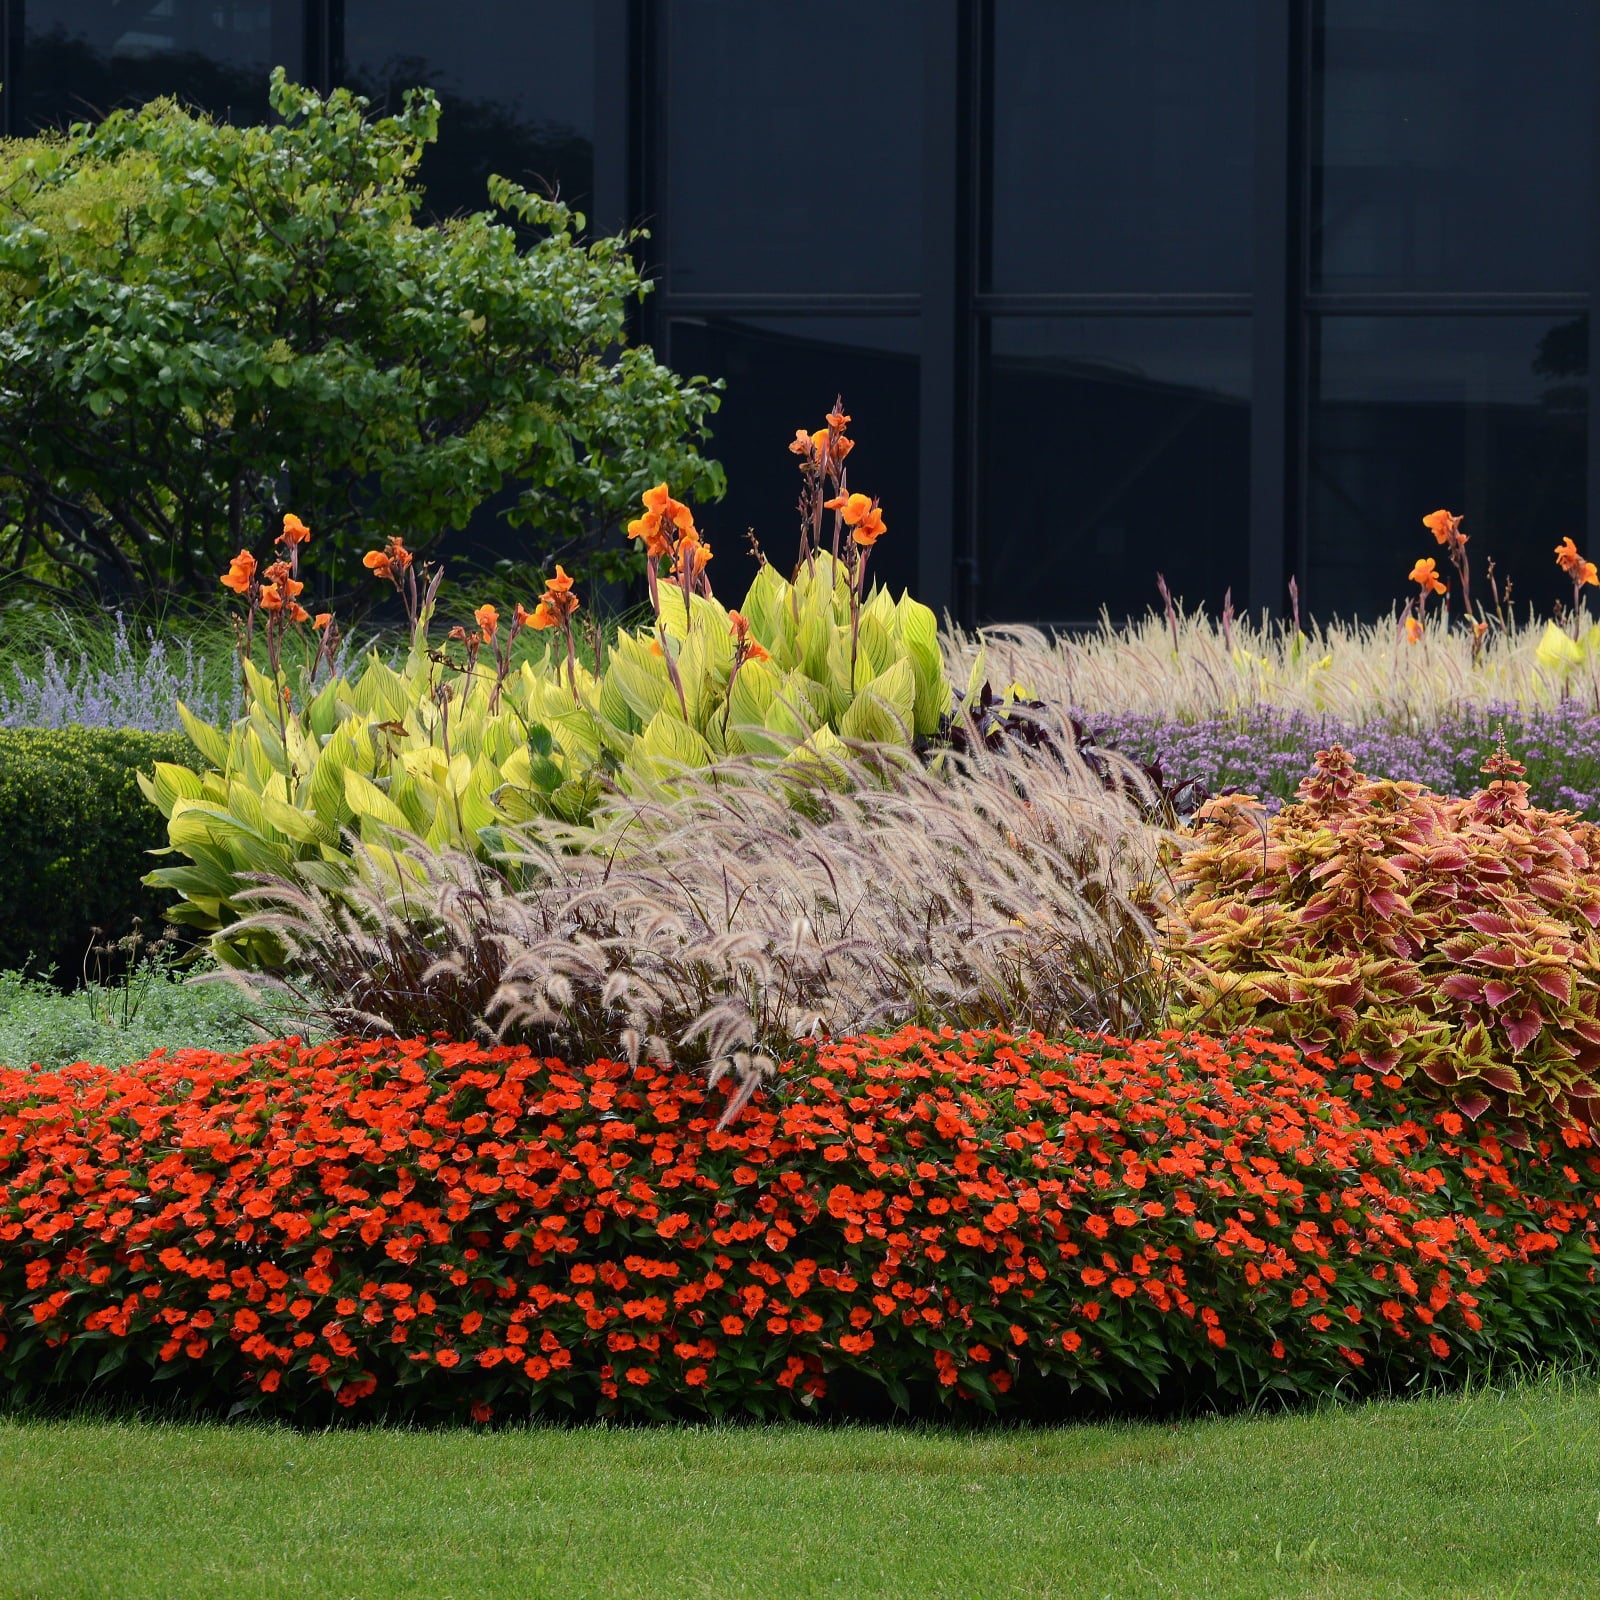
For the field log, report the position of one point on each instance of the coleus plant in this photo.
(1450, 940)
(457, 742)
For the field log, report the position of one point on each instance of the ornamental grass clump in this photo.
(437, 1230)
(1450, 941)
(725, 918)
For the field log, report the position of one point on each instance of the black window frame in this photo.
(955, 312)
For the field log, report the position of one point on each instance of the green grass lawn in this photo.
(1497, 1493)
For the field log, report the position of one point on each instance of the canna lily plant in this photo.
(467, 737)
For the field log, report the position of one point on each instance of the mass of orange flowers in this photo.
(444, 1229)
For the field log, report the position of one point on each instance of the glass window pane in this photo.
(1481, 415)
(1452, 144)
(1123, 135)
(794, 147)
(515, 84)
(783, 373)
(82, 58)
(1114, 448)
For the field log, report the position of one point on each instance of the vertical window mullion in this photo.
(945, 153)
(10, 60)
(612, 101)
(1592, 199)
(1277, 337)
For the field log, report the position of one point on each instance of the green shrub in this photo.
(78, 838)
(113, 1024)
(1451, 938)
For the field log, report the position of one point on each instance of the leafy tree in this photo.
(202, 326)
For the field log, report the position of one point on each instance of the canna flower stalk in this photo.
(661, 514)
(745, 648)
(1446, 529)
(1582, 573)
(555, 610)
(861, 515)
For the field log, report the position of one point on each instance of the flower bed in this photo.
(447, 1229)
(1265, 750)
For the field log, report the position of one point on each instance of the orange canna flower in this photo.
(1586, 573)
(556, 604)
(1413, 631)
(744, 646)
(240, 572)
(298, 613)
(853, 507)
(294, 530)
(521, 617)
(1425, 574)
(1567, 557)
(659, 503)
(838, 421)
(690, 554)
(801, 444)
(1444, 527)
(280, 588)
(390, 561)
(321, 620)
(488, 620)
(870, 529)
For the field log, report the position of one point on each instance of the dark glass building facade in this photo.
(1233, 290)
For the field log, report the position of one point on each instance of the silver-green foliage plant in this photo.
(455, 743)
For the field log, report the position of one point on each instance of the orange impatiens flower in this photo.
(1444, 527)
(488, 620)
(1426, 575)
(241, 572)
(294, 530)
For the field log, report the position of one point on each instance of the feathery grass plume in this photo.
(738, 910)
(1189, 667)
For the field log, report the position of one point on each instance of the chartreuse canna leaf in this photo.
(427, 749)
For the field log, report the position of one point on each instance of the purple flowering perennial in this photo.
(1266, 751)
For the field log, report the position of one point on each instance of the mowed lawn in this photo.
(1491, 1494)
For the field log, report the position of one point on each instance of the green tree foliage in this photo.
(202, 325)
